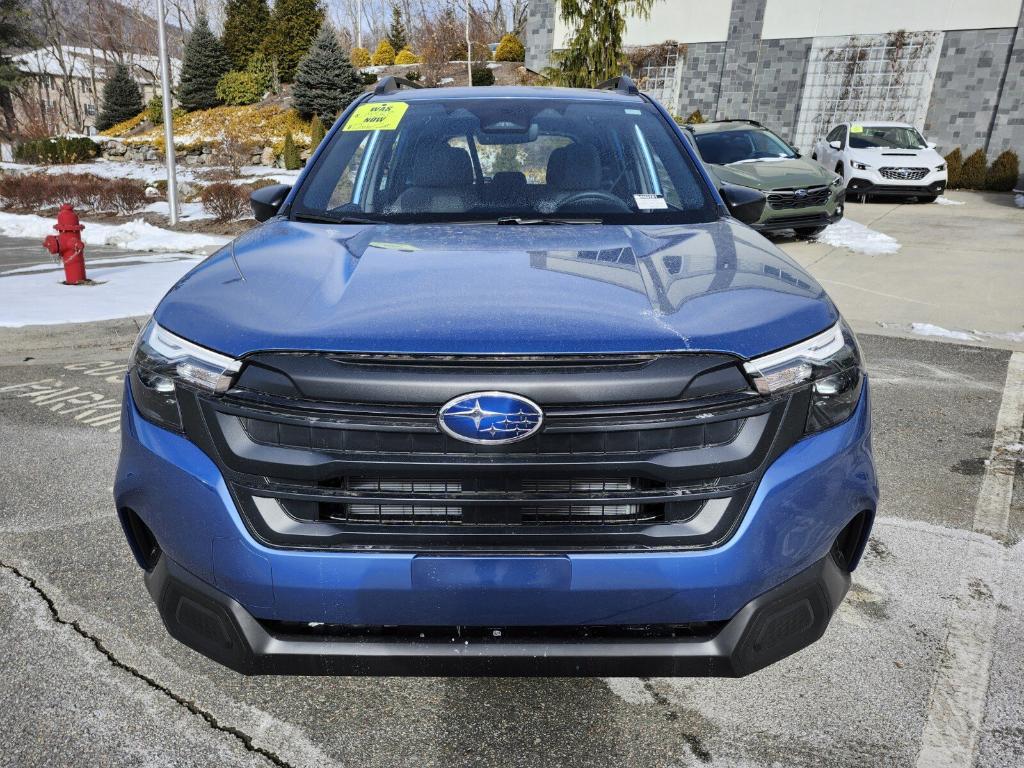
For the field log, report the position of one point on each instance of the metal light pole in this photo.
(165, 81)
(469, 47)
(359, 24)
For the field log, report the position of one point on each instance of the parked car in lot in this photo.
(802, 196)
(879, 158)
(501, 386)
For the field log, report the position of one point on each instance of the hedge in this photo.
(61, 150)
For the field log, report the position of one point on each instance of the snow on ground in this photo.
(1019, 200)
(186, 211)
(927, 329)
(134, 235)
(942, 200)
(858, 238)
(152, 172)
(122, 291)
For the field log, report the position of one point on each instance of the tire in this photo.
(806, 233)
(927, 198)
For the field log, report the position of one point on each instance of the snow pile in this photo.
(858, 238)
(134, 235)
(122, 291)
(927, 329)
(942, 200)
(1019, 200)
(186, 211)
(1017, 336)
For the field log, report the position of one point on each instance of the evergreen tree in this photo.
(202, 67)
(245, 26)
(594, 53)
(293, 26)
(16, 25)
(397, 35)
(122, 99)
(325, 81)
(316, 132)
(290, 155)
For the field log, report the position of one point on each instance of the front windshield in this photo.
(885, 137)
(525, 159)
(741, 146)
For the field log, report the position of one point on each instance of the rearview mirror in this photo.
(744, 203)
(266, 201)
(836, 144)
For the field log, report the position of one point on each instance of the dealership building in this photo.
(954, 69)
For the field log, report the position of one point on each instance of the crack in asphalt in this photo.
(210, 719)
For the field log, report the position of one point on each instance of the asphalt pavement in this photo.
(920, 667)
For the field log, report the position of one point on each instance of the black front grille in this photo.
(673, 466)
(787, 199)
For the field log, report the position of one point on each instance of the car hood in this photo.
(487, 289)
(774, 174)
(900, 158)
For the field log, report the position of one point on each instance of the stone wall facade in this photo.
(977, 99)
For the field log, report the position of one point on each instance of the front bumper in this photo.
(245, 589)
(870, 182)
(807, 218)
(768, 628)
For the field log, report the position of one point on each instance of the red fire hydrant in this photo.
(67, 243)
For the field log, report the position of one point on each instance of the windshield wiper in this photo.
(527, 222)
(325, 219)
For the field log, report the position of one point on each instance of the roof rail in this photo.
(390, 84)
(737, 120)
(622, 83)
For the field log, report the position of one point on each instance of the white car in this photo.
(878, 158)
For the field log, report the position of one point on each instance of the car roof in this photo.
(877, 123)
(508, 92)
(724, 125)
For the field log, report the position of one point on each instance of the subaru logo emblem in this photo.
(801, 193)
(490, 418)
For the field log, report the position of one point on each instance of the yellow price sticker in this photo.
(383, 116)
(856, 129)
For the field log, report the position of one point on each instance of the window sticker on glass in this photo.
(633, 112)
(650, 202)
(856, 128)
(384, 116)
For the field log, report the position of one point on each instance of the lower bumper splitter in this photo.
(768, 628)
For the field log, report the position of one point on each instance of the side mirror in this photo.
(744, 203)
(932, 145)
(836, 144)
(266, 201)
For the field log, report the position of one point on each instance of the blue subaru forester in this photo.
(503, 386)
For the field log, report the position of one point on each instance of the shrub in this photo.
(973, 174)
(510, 49)
(695, 118)
(239, 88)
(369, 78)
(60, 150)
(1002, 175)
(316, 132)
(954, 168)
(413, 75)
(126, 195)
(290, 155)
(224, 200)
(384, 56)
(360, 57)
(483, 76)
(154, 110)
(261, 183)
(405, 56)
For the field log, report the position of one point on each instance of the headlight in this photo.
(830, 362)
(940, 167)
(161, 362)
(860, 166)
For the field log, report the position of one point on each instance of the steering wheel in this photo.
(597, 195)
